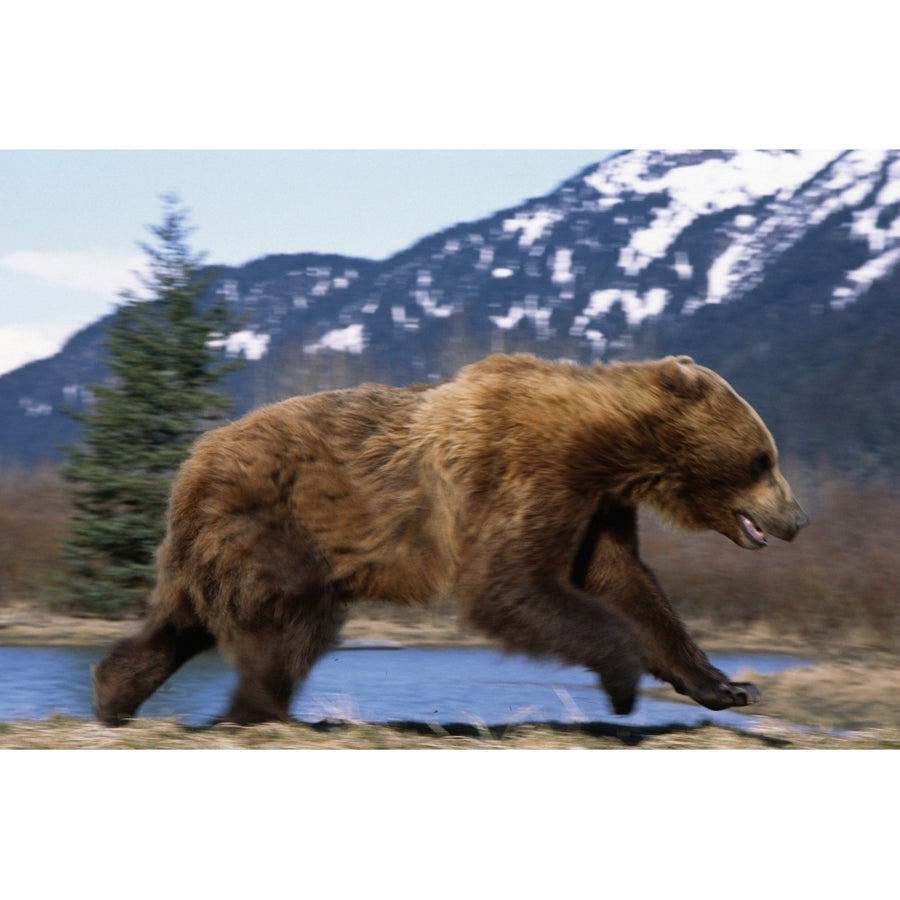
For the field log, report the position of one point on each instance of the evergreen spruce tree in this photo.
(140, 425)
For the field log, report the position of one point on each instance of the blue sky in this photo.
(70, 220)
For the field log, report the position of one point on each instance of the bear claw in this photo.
(727, 694)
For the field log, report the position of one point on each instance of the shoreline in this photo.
(24, 625)
(846, 696)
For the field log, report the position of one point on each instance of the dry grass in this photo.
(76, 734)
(34, 515)
(846, 696)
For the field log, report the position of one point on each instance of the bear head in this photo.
(719, 460)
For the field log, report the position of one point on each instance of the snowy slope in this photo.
(643, 210)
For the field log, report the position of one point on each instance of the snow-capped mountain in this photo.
(773, 199)
(779, 268)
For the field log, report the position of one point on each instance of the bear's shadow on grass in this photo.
(628, 736)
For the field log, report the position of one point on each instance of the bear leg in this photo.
(138, 665)
(626, 583)
(273, 660)
(671, 653)
(547, 618)
(608, 566)
(267, 681)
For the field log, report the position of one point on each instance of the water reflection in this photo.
(474, 685)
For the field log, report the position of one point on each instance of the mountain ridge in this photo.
(777, 268)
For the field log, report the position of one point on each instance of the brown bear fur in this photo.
(512, 487)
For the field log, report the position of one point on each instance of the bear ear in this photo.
(681, 375)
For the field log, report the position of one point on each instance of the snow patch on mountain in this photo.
(861, 279)
(877, 224)
(635, 306)
(251, 343)
(432, 306)
(562, 267)
(33, 407)
(349, 340)
(532, 225)
(682, 266)
(866, 221)
(708, 186)
(528, 309)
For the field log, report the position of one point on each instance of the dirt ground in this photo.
(847, 699)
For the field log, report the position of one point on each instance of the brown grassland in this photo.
(831, 596)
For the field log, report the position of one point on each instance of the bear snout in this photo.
(756, 524)
(787, 525)
(801, 520)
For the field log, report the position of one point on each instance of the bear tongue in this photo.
(751, 530)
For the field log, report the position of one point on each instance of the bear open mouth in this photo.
(752, 530)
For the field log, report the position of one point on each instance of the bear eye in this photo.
(760, 466)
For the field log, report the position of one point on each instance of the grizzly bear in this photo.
(513, 488)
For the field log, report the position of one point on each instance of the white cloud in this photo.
(21, 344)
(99, 272)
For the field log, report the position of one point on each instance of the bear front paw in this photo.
(725, 694)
